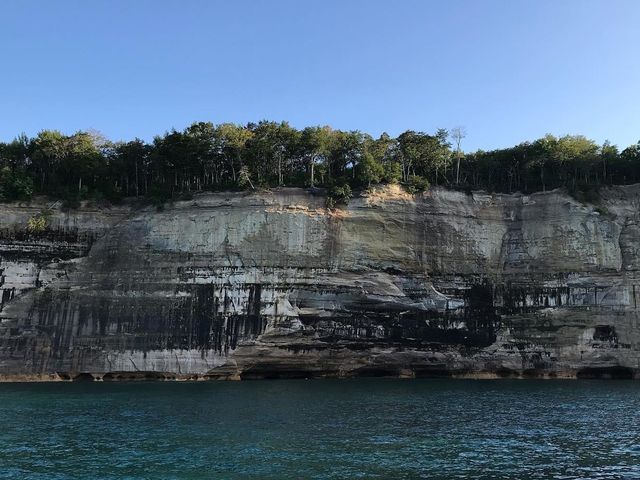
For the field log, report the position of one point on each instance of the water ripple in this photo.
(374, 429)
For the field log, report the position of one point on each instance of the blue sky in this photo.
(508, 70)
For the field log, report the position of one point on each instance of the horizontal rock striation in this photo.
(273, 285)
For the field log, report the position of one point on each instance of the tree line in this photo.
(269, 154)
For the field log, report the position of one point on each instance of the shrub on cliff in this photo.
(39, 223)
(159, 194)
(416, 183)
(392, 173)
(585, 193)
(338, 194)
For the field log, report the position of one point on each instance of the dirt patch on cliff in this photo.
(380, 195)
(310, 212)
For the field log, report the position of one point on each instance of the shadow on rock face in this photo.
(622, 373)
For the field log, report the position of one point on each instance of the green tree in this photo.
(15, 184)
(271, 150)
(49, 150)
(608, 154)
(230, 143)
(315, 146)
(82, 158)
(131, 160)
(369, 170)
(422, 154)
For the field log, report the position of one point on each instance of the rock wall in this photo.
(266, 285)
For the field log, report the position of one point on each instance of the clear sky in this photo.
(508, 70)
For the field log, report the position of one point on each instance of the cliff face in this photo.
(273, 285)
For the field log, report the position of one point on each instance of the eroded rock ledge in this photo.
(273, 285)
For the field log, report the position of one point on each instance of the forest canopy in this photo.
(267, 154)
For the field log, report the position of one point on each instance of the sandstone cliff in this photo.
(234, 285)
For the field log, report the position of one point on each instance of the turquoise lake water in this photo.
(321, 429)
